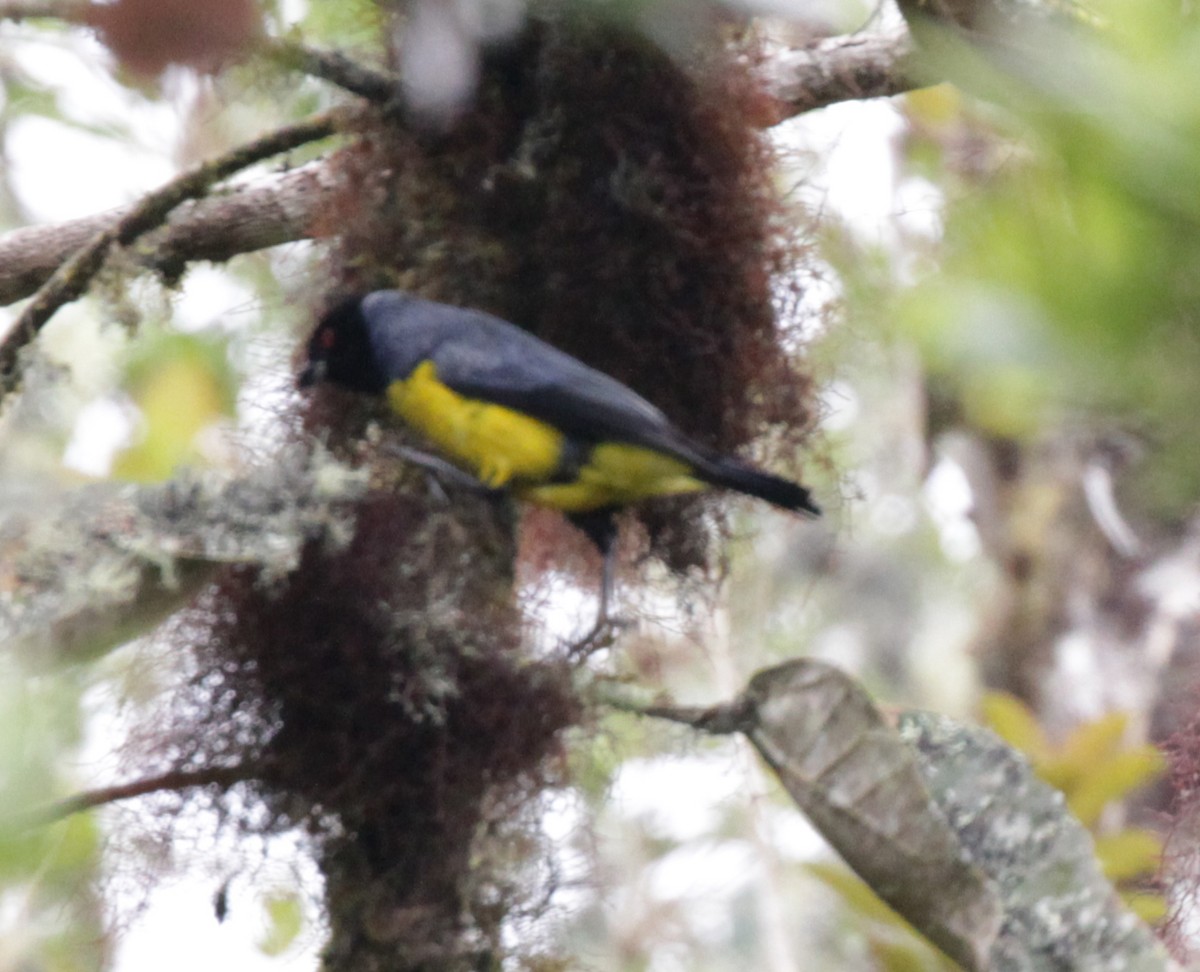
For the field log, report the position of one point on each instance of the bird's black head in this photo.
(340, 350)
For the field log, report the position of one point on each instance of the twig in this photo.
(719, 720)
(223, 776)
(379, 87)
(71, 279)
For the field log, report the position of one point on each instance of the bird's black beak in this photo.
(313, 373)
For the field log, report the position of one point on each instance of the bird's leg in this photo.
(600, 526)
(607, 584)
(443, 469)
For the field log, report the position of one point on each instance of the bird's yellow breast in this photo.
(507, 448)
(499, 445)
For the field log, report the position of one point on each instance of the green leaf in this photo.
(1121, 775)
(854, 892)
(28, 99)
(1014, 722)
(1093, 743)
(182, 385)
(1151, 908)
(285, 916)
(1130, 853)
(346, 23)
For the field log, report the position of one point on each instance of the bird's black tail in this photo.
(733, 474)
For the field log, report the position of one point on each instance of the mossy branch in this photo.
(72, 278)
(241, 219)
(138, 552)
(836, 69)
(378, 87)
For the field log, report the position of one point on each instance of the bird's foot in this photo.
(603, 634)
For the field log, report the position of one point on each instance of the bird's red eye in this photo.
(327, 339)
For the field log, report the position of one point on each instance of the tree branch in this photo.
(72, 278)
(835, 69)
(280, 209)
(224, 776)
(137, 552)
(379, 87)
(284, 208)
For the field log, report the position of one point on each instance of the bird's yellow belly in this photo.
(615, 474)
(506, 448)
(498, 445)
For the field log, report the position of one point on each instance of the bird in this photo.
(519, 415)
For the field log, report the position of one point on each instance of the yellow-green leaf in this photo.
(73, 844)
(1121, 774)
(1085, 751)
(285, 917)
(855, 892)
(1151, 908)
(1092, 743)
(1129, 853)
(182, 385)
(938, 104)
(910, 956)
(1013, 721)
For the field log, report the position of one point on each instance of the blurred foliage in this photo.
(183, 386)
(891, 942)
(1066, 278)
(1094, 767)
(47, 874)
(346, 23)
(285, 922)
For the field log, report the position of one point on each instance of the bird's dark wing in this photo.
(484, 357)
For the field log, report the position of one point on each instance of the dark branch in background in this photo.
(278, 210)
(71, 11)
(283, 210)
(379, 87)
(832, 70)
(835, 69)
(838, 69)
(248, 218)
(71, 279)
(223, 776)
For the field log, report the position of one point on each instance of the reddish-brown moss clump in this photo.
(379, 698)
